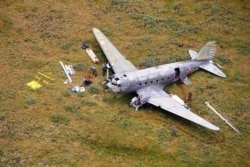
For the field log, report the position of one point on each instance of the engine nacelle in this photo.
(138, 101)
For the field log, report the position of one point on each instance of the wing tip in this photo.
(216, 129)
(213, 127)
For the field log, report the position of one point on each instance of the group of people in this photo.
(87, 80)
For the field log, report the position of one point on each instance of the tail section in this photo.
(207, 53)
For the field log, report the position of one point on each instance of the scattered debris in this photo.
(86, 82)
(77, 89)
(68, 69)
(84, 46)
(224, 119)
(180, 44)
(44, 77)
(39, 77)
(33, 85)
(90, 52)
(219, 65)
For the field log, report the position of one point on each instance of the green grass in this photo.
(57, 118)
(30, 101)
(54, 127)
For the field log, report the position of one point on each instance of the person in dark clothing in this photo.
(104, 69)
(86, 82)
(190, 96)
(94, 72)
(174, 131)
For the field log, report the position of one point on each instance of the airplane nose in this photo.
(113, 88)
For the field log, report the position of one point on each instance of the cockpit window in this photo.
(119, 85)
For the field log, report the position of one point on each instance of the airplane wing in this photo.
(118, 62)
(161, 99)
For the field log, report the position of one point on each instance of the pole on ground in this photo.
(224, 119)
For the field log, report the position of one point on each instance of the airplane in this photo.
(149, 83)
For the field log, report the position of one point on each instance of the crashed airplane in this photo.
(149, 83)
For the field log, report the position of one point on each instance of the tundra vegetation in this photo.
(51, 126)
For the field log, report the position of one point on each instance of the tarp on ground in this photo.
(33, 85)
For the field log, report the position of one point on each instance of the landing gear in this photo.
(137, 102)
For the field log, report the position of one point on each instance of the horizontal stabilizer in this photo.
(193, 54)
(212, 69)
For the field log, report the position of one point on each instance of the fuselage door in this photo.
(177, 73)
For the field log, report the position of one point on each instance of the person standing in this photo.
(94, 72)
(104, 69)
(174, 131)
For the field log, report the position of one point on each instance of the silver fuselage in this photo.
(162, 74)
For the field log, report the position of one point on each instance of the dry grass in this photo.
(53, 127)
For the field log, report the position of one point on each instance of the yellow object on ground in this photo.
(46, 76)
(42, 78)
(33, 85)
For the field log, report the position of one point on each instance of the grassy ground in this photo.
(53, 127)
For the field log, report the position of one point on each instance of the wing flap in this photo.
(118, 62)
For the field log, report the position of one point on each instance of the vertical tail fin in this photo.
(207, 52)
